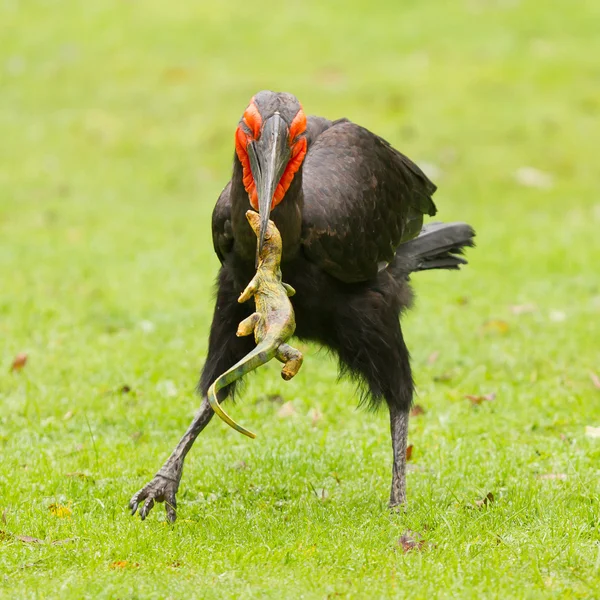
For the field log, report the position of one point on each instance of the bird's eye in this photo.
(252, 120)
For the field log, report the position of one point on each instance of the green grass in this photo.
(117, 122)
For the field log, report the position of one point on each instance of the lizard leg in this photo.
(246, 327)
(291, 358)
(249, 291)
(289, 290)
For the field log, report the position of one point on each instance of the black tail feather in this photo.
(438, 246)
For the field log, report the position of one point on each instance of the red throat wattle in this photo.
(253, 121)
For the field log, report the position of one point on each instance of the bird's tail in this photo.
(438, 246)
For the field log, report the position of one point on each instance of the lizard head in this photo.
(270, 253)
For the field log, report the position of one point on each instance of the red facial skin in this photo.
(253, 121)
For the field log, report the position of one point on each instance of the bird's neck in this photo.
(287, 216)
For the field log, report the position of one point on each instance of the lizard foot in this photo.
(162, 488)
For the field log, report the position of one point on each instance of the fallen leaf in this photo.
(287, 410)
(409, 451)
(68, 415)
(60, 511)
(534, 178)
(495, 326)
(27, 539)
(595, 380)
(62, 542)
(480, 399)
(19, 361)
(561, 476)
(417, 410)
(489, 499)
(520, 309)
(411, 540)
(315, 416)
(444, 377)
(432, 359)
(122, 564)
(593, 432)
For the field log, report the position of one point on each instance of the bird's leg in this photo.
(224, 350)
(292, 360)
(399, 430)
(246, 327)
(164, 486)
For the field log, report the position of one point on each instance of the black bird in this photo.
(350, 211)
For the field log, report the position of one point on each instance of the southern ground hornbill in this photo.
(350, 211)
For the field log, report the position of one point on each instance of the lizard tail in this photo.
(259, 356)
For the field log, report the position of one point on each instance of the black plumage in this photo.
(352, 227)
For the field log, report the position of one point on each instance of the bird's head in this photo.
(270, 142)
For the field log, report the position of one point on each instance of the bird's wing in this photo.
(362, 199)
(221, 224)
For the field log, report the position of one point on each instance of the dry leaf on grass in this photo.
(315, 416)
(62, 542)
(123, 564)
(417, 410)
(480, 399)
(409, 451)
(286, 410)
(495, 326)
(593, 432)
(60, 511)
(27, 539)
(411, 540)
(444, 377)
(19, 361)
(489, 499)
(432, 359)
(595, 380)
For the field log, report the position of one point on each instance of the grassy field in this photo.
(116, 126)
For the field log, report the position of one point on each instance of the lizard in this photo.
(273, 322)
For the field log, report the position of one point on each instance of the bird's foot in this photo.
(162, 488)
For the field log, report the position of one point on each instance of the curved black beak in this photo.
(268, 158)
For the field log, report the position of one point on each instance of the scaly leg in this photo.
(399, 430)
(246, 327)
(224, 350)
(292, 359)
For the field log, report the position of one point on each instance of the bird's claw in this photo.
(160, 489)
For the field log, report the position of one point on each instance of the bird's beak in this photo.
(269, 157)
